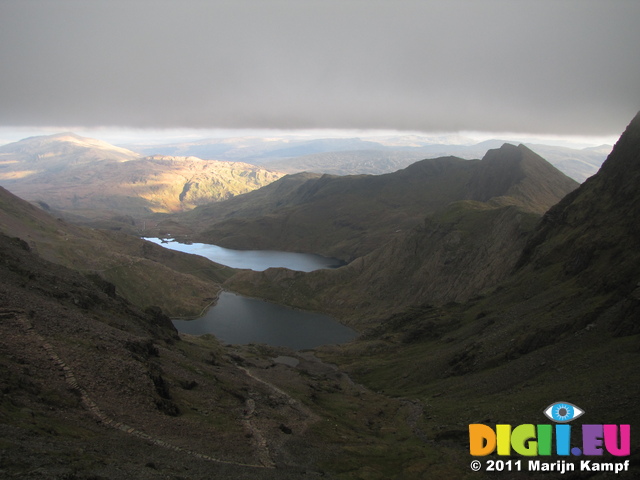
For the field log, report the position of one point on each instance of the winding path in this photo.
(89, 404)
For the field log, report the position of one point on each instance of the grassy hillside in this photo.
(459, 250)
(142, 272)
(351, 216)
(563, 326)
(93, 387)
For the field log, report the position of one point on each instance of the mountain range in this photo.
(83, 176)
(106, 186)
(350, 216)
(368, 155)
(511, 289)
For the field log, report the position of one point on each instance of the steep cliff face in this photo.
(594, 233)
(563, 325)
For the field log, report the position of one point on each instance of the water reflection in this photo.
(240, 320)
(257, 260)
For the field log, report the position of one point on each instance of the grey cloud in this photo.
(533, 66)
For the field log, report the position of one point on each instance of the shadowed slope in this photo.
(563, 326)
(144, 273)
(460, 249)
(350, 216)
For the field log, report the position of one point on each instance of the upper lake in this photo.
(257, 260)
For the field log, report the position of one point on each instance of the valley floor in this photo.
(241, 414)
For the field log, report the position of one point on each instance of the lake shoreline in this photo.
(235, 318)
(240, 320)
(256, 260)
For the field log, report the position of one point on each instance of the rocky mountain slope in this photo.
(88, 177)
(92, 386)
(142, 272)
(564, 325)
(348, 217)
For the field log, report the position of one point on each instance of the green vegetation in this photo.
(483, 312)
(351, 216)
(143, 273)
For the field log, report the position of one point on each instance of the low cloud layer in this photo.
(534, 66)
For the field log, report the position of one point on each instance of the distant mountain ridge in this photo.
(368, 155)
(350, 216)
(468, 239)
(53, 153)
(66, 142)
(69, 172)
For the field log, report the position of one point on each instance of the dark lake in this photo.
(240, 320)
(257, 260)
(236, 319)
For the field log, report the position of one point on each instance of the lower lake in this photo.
(241, 320)
(257, 260)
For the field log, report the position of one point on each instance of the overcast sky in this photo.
(539, 66)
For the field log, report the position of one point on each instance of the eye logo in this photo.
(563, 412)
(539, 440)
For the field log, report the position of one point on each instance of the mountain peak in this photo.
(510, 153)
(509, 156)
(518, 172)
(63, 135)
(65, 143)
(625, 156)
